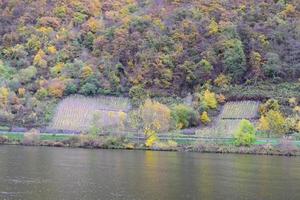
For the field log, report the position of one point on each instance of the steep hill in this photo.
(51, 49)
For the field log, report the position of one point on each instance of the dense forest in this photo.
(50, 49)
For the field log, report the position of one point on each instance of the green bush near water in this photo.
(184, 116)
(245, 134)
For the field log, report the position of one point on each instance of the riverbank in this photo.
(284, 148)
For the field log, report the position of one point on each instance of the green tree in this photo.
(137, 95)
(235, 59)
(184, 116)
(273, 66)
(245, 134)
(27, 74)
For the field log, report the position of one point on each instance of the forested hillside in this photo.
(54, 48)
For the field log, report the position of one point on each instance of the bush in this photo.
(169, 145)
(222, 80)
(32, 137)
(151, 137)
(184, 116)
(27, 74)
(245, 134)
(56, 88)
(138, 95)
(155, 116)
(41, 93)
(271, 104)
(273, 122)
(3, 139)
(114, 142)
(287, 147)
(71, 88)
(205, 118)
(210, 99)
(88, 89)
(234, 59)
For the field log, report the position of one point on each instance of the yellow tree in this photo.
(56, 88)
(273, 122)
(213, 27)
(86, 71)
(210, 99)
(256, 63)
(21, 92)
(205, 118)
(122, 119)
(39, 59)
(51, 49)
(4, 93)
(155, 118)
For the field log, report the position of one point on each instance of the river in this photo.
(42, 173)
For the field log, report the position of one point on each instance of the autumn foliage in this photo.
(156, 48)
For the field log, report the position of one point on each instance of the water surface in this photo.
(37, 173)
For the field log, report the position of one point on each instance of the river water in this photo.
(41, 173)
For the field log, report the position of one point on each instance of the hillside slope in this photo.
(51, 49)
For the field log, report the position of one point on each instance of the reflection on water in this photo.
(36, 173)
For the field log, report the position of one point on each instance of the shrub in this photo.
(72, 141)
(169, 145)
(6, 71)
(21, 92)
(88, 89)
(41, 94)
(51, 49)
(213, 27)
(206, 66)
(32, 137)
(39, 59)
(205, 118)
(235, 59)
(221, 98)
(273, 66)
(71, 88)
(4, 93)
(287, 147)
(3, 139)
(155, 116)
(210, 99)
(151, 137)
(245, 134)
(222, 81)
(184, 116)
(273, 122)
(86, 71)
(271, 104)
(114, 142)
(27, 74)
(56, 88)
(57, 69)
(138, 95)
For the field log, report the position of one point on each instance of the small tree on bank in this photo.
(245, 134)
(272, 121)
(155, 117)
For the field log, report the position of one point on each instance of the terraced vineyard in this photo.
(230, 117)
(240, 110)
(77, 112)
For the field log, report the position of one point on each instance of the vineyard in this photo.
(240, 110)
(230, 117)
(78, 112)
